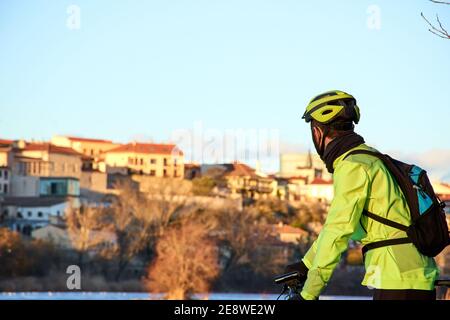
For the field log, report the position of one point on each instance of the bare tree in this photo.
(186, 263)
(139, 219)
(128, 219)
(240, 232)
(86, 230)
(437, 29)
(167, 199)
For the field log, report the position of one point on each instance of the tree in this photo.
(128, 218)
(186, 262)
(203, 186)
(240, 232)
(311, 212)
(438, 29)
(13, 257)
(139, 219)
(86, 230)
(167, 200)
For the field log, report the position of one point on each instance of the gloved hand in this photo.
(300, 267)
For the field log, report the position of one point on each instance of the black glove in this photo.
(300, 267)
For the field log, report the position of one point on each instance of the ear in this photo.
(317, 133)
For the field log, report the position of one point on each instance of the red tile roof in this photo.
(321, 181)
(6, 142)
(191, 166)
(147, 148)
(78, 139)
(241, 170)
(289, 229)
(51, 148)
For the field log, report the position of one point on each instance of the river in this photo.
(144, 296)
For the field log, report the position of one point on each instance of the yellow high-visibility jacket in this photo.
(362, 182)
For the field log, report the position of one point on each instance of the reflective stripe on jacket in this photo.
(362, 182)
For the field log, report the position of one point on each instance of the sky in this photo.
(148, 70)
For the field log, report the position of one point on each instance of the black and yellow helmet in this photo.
(332, 106)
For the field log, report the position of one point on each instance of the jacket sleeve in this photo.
(351, 185)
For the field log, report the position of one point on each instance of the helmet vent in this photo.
(327, 112)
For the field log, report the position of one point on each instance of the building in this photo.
(306, 165)
(46, 160)
(33, 164)
(156, 160)
(94, 180)
(244, 181)
(319, 189)
(288, 234)
(25, 214)
(6, 156)
(89, 147)
(92, 149)
(295, 187)
(192, 171)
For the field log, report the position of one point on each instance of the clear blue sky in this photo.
(147, 68)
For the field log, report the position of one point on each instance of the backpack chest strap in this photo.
(385, 243)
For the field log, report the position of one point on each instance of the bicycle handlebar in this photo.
(287, 277)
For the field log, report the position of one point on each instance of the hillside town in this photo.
(41, 181)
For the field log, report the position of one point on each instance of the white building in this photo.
(319, 189)
(25, 214)
(303, 165)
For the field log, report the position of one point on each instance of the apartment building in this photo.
(244, 181)
(47, 160)
(157, 160)
(306, 165)
(88, 147)
(92, 149)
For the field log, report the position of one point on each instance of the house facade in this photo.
(156, 160)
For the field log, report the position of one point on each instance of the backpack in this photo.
(428, 230)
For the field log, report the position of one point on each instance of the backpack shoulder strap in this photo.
(385, 221)
(360, 151)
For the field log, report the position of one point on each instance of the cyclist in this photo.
(361, 182)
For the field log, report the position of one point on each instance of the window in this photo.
(5, 189)
(175, 174)
(5, 213)
(40, 215)
(174, 162)
(19, 215)
(58, 213)
(152, 161)
(165, 161)
(6, 174)
(92, 152)
(165, 173)
(1, 173)
(30, 214)
(152, 173)
(142, 162)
